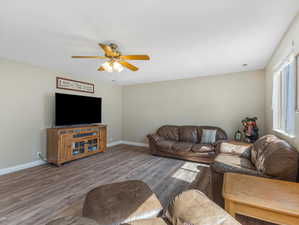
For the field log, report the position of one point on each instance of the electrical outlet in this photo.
(38, 155)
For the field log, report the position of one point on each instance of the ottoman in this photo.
(119, 203)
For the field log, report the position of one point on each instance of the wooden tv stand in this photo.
(68, 144)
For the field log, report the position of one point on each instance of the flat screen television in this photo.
(76, 110)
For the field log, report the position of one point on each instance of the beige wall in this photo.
(27, 109)
(222, 101)
(131, 112)
(282, 51)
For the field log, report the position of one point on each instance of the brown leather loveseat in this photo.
(184, 142)
(269, 157)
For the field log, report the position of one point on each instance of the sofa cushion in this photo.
(121, 203)
(169, 132)
(188, 134)
(234, 160)
(202, 154)
(165, 145)
(234, 148)
(202, 148)
(193, 207)
(153, 221)
(225, 163)
(182, 147)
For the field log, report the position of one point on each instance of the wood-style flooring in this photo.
(38, 195)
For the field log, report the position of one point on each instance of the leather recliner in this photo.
(184, 142)
(269, 157)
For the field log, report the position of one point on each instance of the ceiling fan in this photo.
(116, 61)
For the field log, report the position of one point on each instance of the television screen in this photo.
(75, 110)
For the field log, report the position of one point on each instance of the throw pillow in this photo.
(208, 136)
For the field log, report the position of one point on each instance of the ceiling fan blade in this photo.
(134, 57)
(101, 68)
(128, 65)
(89, 57)
(107, 49)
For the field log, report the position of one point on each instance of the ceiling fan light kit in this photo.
(116, 61)
(112, 67)
(107, 67)
(117, 67)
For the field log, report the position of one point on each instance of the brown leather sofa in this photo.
(184, 142)
(269, 157)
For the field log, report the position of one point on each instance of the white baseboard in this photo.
(40, 162)
(114, 143)
(135, 143)
(127, 143)
(21, 167)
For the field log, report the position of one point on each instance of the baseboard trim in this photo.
(127, 143)
(135, 143)
(21, 167)
(114, 143)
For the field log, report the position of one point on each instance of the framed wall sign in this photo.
(74, 85)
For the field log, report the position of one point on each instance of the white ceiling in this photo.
(184, 38)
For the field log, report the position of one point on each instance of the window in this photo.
(284, 98)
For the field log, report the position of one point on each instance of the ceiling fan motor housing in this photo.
(114, 48)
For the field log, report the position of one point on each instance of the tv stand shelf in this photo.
(68, 144)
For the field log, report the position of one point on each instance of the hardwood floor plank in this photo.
(38, 195)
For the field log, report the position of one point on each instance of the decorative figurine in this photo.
(238, 136)
(251, 131)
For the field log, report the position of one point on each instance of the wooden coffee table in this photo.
(270, 200)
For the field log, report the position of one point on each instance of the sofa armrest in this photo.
(217, 145)
(154, 138)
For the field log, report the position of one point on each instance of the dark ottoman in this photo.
(118, 203)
